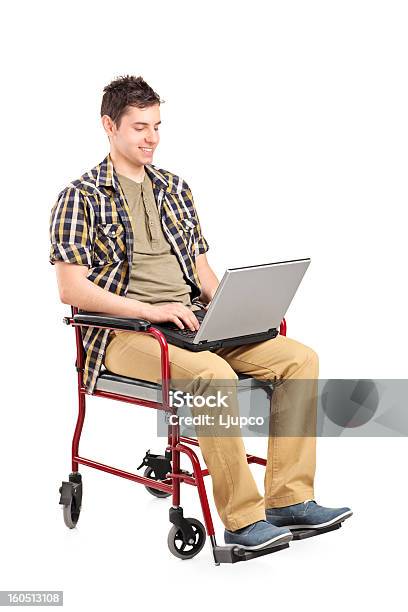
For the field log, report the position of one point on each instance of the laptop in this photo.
(248, 306)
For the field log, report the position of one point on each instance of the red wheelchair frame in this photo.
(187, 536)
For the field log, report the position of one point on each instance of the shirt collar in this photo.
(107, 177)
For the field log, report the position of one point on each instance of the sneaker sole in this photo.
(281, 539)
(338, 519)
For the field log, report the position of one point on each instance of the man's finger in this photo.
(194, 323)
(178, 322)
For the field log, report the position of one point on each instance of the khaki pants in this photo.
(291, 461)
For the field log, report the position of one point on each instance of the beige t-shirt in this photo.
(156, 276)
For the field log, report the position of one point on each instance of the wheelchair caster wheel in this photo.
(186, 550)
(71, 499)
(150, 473)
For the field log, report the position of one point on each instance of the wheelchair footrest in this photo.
(232, 553)
(302, 534)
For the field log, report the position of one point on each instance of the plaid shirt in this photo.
(90, 225)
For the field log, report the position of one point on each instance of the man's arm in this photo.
(208, 280)
(71, 254)
(76, 290)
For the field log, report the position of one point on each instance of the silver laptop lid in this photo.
(251, 299)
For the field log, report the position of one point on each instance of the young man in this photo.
(133, 234)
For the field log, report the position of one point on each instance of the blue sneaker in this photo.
(306, 515)
(258, 535)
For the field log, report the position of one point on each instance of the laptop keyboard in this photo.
(187, 333)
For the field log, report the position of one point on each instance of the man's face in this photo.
(138, 134)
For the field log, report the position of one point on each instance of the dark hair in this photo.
(127, 91)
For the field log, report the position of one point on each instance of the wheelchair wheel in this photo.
(71, 499)
(71, 513)
(149, 473)
(181, 549)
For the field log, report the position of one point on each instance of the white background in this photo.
(289, 122)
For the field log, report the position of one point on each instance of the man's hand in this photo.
(175, 313)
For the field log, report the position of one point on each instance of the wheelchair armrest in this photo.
(90, 319)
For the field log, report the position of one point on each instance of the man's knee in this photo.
(312, 355)
(298, 354)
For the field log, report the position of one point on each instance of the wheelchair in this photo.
(162, 476)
